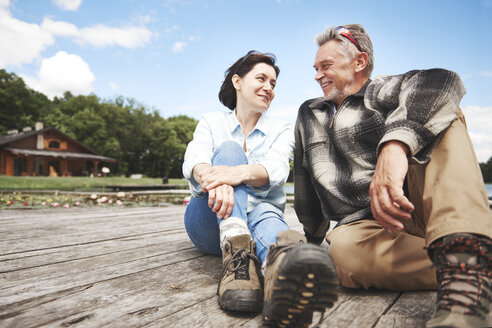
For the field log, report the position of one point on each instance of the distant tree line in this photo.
(138, 138)
(487, 170)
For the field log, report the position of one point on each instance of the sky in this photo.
(171, 55)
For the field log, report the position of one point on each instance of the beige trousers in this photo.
(449, 197)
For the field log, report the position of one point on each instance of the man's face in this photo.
(334, 71)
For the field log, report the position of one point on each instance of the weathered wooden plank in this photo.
(411, 310)
(31, 259)
(359, 308)
(75, 216)
(68, 237)
(131, 301)
(14, 237)
(206, 314)
(114, 256)
(60, 276)
(77, 212)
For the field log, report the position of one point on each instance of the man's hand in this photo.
(221, 200)
(388, 203)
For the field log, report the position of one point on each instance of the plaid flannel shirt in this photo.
(337, 150)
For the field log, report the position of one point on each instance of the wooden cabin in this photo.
(46, 152)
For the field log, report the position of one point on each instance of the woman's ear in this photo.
(236, 82)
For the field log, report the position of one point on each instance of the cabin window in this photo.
(54, 144)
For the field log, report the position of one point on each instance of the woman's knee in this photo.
(229, 153)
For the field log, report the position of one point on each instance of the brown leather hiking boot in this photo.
(464, 270)
(299, 279)
(240, 288)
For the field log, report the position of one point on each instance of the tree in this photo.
(140, 140)
(20, 106)
(486, 169)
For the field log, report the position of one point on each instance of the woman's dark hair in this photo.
(227, 93)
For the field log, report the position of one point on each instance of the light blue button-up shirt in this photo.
(270, 144)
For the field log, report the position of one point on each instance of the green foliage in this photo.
(19, 105)
(140, 140)
(487, 170)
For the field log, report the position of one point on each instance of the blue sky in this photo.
(170, 55)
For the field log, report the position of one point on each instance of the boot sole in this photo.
(306, 283)
(241, 300)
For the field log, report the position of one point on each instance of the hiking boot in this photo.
(464, 271)
(299, 279)
(240, 288)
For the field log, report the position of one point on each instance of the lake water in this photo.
(290, 189)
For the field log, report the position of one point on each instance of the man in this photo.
(390, 160)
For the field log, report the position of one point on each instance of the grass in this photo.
(75, 183)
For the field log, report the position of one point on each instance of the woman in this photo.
(236, 165)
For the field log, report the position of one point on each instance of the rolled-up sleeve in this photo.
(420, 105)
(276, 161)
(199, 150)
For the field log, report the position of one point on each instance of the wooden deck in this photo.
(135, 267)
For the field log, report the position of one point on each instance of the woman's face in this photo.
(256, 88)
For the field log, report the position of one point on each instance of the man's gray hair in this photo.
(359, 34)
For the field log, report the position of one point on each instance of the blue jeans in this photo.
(264, 222)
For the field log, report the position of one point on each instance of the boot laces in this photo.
(238, 263)
(477, 276)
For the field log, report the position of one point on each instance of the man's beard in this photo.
(338, 95)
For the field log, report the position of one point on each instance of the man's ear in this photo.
(236, 82)
(361, 62)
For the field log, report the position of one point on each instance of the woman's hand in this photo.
(219, 175)
(221, 200)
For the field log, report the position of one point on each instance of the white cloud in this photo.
(71, 5)
(179, 46)
(171, 29)
(102, 36)
(113, 86)
(20, 42)
(4, 7)
(479, 123)
(477, 74)
(60, 73)
(59, 28)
